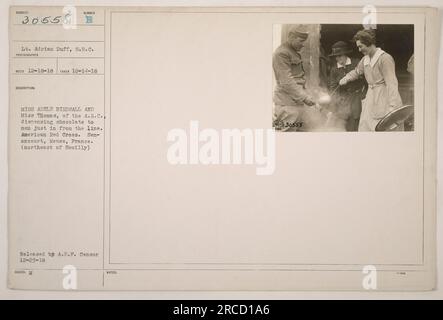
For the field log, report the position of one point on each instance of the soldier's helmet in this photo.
(300, 31)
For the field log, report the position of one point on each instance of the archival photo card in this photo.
(150, 148)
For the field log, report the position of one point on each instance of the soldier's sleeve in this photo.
(282, 69)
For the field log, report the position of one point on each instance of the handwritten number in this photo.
(43, 20)
(56, 19)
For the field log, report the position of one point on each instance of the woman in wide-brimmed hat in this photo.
(346, 101)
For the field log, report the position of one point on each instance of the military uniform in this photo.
(289, 94)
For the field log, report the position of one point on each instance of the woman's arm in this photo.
(354, 74)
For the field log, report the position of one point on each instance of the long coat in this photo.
(382, 94)
(289, 92)
(289, 75)
(347, 98)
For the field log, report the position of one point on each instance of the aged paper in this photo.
(220, 149)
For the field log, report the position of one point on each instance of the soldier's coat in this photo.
(289, 92)
(289, 75)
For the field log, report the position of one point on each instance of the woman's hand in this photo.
(343, 81)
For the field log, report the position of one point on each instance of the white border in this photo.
(15, 294)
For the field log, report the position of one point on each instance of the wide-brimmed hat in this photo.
(339, 48)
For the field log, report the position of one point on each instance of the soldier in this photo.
(347, 98)
(290, 96)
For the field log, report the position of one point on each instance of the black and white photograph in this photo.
(343, 77)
